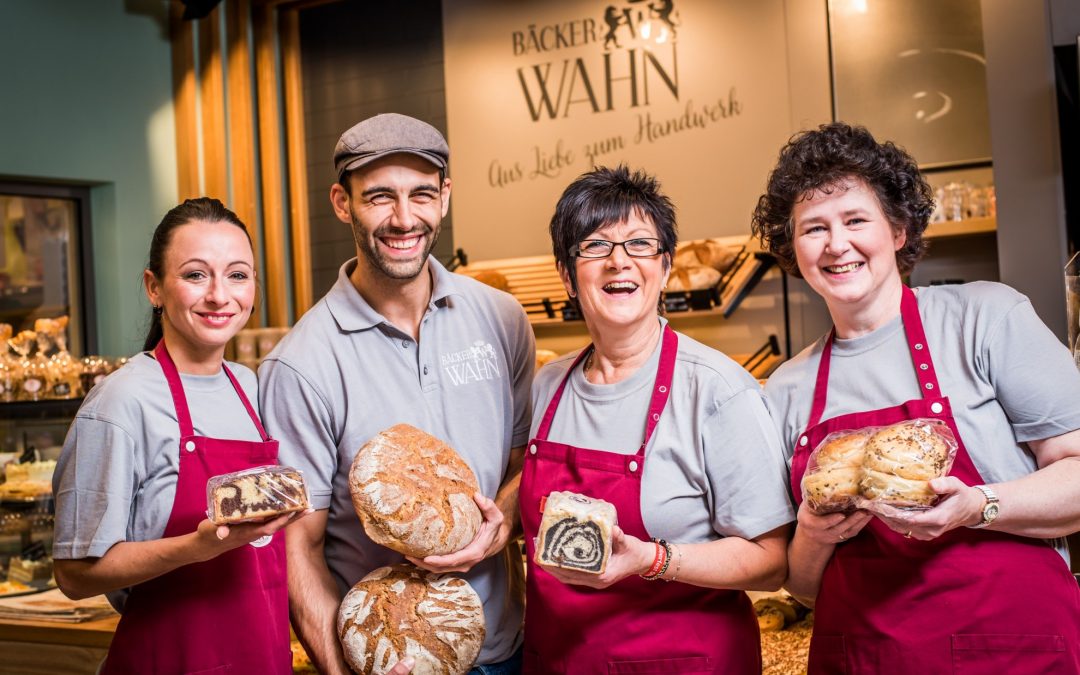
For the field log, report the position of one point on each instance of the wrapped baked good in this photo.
(890, 465)
(575, 532)
(414, 493)
(401, 611)
(255, 494)
(692, 278)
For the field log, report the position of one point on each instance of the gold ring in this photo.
(908, 535)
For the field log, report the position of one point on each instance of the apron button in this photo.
(190, 446)
(633, 466)
(923, 366)
(803, 441)
(936, 407)
(662, 389)
(532, 449)
(929, 385)
(918, 345)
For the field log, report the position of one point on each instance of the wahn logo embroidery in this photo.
(475, 364)
(638, 48)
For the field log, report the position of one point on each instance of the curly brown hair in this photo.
(822, 160)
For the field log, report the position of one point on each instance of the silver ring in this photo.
(842, 537)
(908, 535)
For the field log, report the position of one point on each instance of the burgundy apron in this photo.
(970, 601)
(226, 615)
(634, 626)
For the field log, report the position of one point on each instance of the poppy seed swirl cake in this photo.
(575, 532)
(414, 494)
(401, 611)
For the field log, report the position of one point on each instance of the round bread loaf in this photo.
(897, 491)
(493, 278)
(414, 494)
(708, 253)
(842, 450)
(830, 490)
(913, 450)
(692, 278)
(401, 611)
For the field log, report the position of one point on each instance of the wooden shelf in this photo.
(961, 228)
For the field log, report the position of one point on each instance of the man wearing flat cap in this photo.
(399, 339)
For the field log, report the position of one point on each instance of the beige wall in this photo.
(732, 60)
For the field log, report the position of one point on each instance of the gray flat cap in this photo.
(387, 134)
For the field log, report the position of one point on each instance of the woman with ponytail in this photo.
(130, 485)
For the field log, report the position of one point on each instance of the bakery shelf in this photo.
(961, 228)
(40, 410)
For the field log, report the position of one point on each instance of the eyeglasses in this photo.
(600, 248)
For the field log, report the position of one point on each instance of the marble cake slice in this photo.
(256, 495)
(575, 532)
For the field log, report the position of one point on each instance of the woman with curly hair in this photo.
(979, 582)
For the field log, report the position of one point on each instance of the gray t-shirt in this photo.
(344, 373)
(714, 466)
(116, 477)
(1007, 377)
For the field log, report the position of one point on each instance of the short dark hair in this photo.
(822, 160)
(205, 209)
(605, 196)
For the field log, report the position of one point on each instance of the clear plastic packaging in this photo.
(575, 532)
(893, 465)
(255, 494)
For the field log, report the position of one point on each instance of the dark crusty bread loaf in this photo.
(256, 494)
(401, 611)
(414, 494)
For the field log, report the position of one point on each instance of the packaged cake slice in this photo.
(255, 494)
(575, 532)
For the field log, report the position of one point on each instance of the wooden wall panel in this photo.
(297, 161)
(185, 111)
(263, 21)
(212, 108)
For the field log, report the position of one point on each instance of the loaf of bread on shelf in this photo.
(708, 253)
(575, 532)
(255, 494)
(414, 493)
(692, 278)
(401, 611)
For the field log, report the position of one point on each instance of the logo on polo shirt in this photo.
(475, 364)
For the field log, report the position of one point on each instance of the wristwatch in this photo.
(990, 510)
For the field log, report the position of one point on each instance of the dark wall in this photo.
(360, 59)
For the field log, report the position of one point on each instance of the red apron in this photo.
(634, 626)
(226, 615)
(970, 601)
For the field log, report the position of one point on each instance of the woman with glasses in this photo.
(672, 433)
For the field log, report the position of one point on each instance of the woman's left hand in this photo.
(629, 555)
(960, 506)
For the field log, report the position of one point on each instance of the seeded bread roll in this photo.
(844, 450)
(401, 611)
(914, 450)
(414, 494)
(831, 490)
(897, 491)
(575, 532)
(256, 494)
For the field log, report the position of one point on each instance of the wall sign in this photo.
(693, 91)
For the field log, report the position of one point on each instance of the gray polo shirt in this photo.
(343, 374)
(714, 466)
(116, 477)
(1008, 379)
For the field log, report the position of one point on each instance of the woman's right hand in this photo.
(829, 529)
(213, 540)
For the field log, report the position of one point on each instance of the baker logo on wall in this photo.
(477, 363)
(634, 60)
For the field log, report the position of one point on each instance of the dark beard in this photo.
(402, 271)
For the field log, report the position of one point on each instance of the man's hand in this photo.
(490, 539)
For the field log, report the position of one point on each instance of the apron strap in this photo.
(176, 388)
(920, 351)
(661, 387)
(247, 404)
(920, 357)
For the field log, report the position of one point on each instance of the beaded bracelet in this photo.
(678, 565)
(650, 575)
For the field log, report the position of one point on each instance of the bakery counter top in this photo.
(44, 647)
(97, 633)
